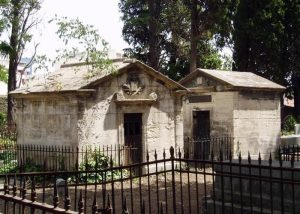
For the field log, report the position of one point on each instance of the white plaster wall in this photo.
(256, 125)
(47, 121)
(101, 122)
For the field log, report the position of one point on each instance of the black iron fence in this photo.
(204, 147)
(289, 152)
(18, 158)
(167, 185)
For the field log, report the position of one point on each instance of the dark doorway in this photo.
(201, 124)
(133, 137)
(201, 134)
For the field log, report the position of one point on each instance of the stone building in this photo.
(240, 104)
(132, 106)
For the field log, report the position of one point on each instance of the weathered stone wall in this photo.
(49, 120)
(101, 121)
(3, 104)
(256, 122)
(221, 113)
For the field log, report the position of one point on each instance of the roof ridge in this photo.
(90, 63)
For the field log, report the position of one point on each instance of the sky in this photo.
(103, 14)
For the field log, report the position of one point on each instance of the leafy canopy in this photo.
(81, 43)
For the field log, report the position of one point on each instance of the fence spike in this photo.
(179, 153)
(6, 188)
(80, 203)
(147, 156)
(155, 155)
(220, 154)
(279, 155)
(172, 151)
(230, 156)
(249, 158)
(55, 195)
(164, 154)
(15, 189)
(270, 159)
(212, 155)
(24, 190)
(161, 208)
(67, 196)
(33, 191)
(124, 208)
(240, 157)
(259, 158)
(292, 161)
(86, 158)
(96, 159)
(111, 162)
(143, 210)
(95, 205)
(108, 207)
(21, 165)
(45, 164)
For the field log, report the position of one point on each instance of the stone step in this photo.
(256, 186)
(255, 200)
(216, 207)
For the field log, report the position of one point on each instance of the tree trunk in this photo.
(13, 59)
(296, 89)
(194, 34)
(154, 50)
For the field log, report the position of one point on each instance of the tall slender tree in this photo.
(20, 18)
(154, 50)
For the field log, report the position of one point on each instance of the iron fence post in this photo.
(173, 179)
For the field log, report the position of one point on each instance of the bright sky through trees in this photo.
(103, 14)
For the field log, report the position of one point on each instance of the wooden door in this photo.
(133, 137)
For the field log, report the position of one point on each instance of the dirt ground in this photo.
(155, 192)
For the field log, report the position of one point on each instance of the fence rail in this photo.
(52, 158)
(204, 147)
(289, 152)
(173, 184)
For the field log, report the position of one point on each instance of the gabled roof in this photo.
(235, 79)
(75, 77)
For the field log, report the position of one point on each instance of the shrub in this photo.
(289, 125)
(96, 160)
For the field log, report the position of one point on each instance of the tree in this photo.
(170, 37)
(209, 20)
(267, 41)
(83, 43)
(154, 50)
(19, 16)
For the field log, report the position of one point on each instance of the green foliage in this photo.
(8, 168)
(3, 74)
(2, 121)
(289, 125)
(174, 32)
(7, 156)
(266, 39)
(96, 160)
(83, 43)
